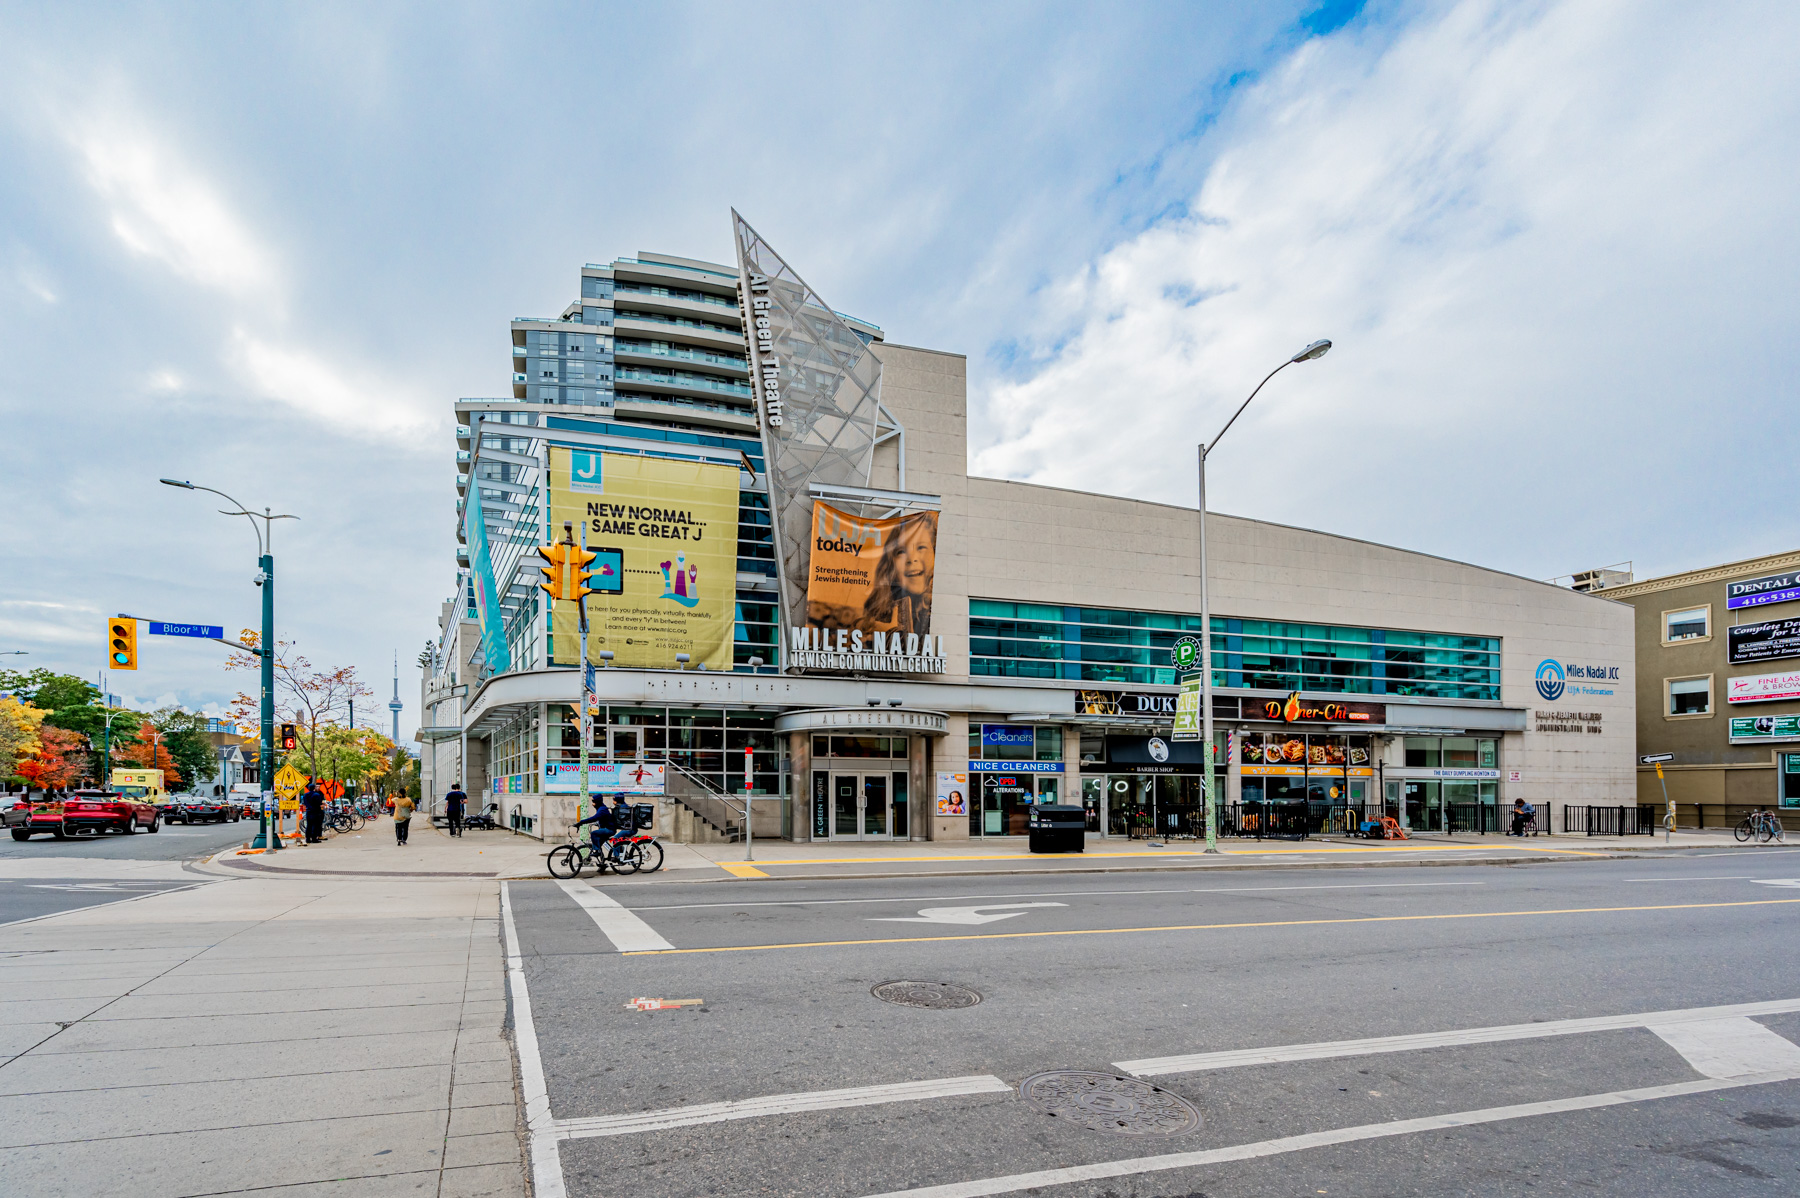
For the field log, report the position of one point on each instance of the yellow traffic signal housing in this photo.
(556, 574)
(121, 643)
(579, 561)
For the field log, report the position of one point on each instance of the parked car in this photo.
(190, 809)
(80, 811)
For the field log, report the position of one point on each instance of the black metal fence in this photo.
(1610, 821)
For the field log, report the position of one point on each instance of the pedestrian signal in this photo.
(289, 740)
(556, 574)
(121, 643)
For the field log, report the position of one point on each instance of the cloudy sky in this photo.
(264, 247)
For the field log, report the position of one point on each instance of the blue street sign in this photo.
(214, 632)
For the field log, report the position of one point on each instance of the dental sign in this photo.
(1756, 592)
(762, 350)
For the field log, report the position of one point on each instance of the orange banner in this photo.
(872, 576)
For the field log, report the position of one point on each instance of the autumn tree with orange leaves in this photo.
(60, 761)
(304, 695)
(149, 753)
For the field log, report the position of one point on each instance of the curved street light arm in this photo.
(1207, 448)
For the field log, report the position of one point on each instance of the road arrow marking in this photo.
(966, 916)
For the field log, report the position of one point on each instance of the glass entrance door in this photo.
(875, 806)
(844, 802)
(622, 744)
(861, 808)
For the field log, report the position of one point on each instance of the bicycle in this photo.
(637, 853)
(341, 818)
(1762, 825)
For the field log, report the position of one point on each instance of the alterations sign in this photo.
(1770, 640)
(1756, 592)
(664, 534)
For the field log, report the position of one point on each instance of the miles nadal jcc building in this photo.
(797, 586)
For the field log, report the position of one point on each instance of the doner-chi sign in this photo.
(1763, 688)
(868, 595)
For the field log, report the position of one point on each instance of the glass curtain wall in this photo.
(1026, 640)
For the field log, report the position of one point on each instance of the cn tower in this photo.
(394, 704)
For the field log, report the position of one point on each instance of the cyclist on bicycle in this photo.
(610, 823)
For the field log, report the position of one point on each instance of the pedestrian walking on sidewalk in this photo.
(314, 802)
(453, 808)
(403, 809)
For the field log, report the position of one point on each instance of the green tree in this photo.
(71, 702)
(185, 736)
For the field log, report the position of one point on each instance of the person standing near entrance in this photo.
(314, 802)
(403, 809)
(454, 802)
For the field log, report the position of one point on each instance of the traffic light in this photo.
(556, 576)
(121, 643)
(579, 561)
(289, 739)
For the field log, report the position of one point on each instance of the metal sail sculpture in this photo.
(818, 390)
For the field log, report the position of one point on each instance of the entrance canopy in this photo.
(889, 721)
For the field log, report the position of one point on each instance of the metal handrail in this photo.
(709, 803)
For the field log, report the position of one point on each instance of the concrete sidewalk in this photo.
(432, 853)
(340, 1036)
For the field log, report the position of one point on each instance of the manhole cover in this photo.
(933, 996)
(1121, 1106)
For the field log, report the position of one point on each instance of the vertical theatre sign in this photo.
(868, 595)
(664, 536)
(855, 575)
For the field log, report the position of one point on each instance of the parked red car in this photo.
(81, 811)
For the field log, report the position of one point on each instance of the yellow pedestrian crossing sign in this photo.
(289, 781)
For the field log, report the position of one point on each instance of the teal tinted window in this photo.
(1088, 644)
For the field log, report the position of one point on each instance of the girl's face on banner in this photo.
(915, 559)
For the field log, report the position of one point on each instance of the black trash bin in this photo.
(1055, 829)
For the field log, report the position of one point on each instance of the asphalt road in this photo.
(32, 898)
(30, 887)
(172, 842)
(1108, 974)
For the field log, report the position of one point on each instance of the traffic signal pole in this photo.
(270, 819)
(587, 668)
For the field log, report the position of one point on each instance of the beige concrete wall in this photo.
(1022, 542)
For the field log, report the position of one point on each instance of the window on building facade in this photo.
(1690, 696)
(1025, 640)
(1685, 625)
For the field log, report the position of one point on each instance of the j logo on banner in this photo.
(584, 472)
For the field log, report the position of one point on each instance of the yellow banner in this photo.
(665, 572)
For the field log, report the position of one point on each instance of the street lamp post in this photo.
(1315, 350)
(265, 578)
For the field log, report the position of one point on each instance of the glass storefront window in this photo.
(1422, 752)
(1459, 753)
(1049, 744)
(1486, 751)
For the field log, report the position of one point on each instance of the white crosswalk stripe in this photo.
(628, 933)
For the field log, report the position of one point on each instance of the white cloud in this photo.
(320, 389)
(1544, 239)
(162, 208)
